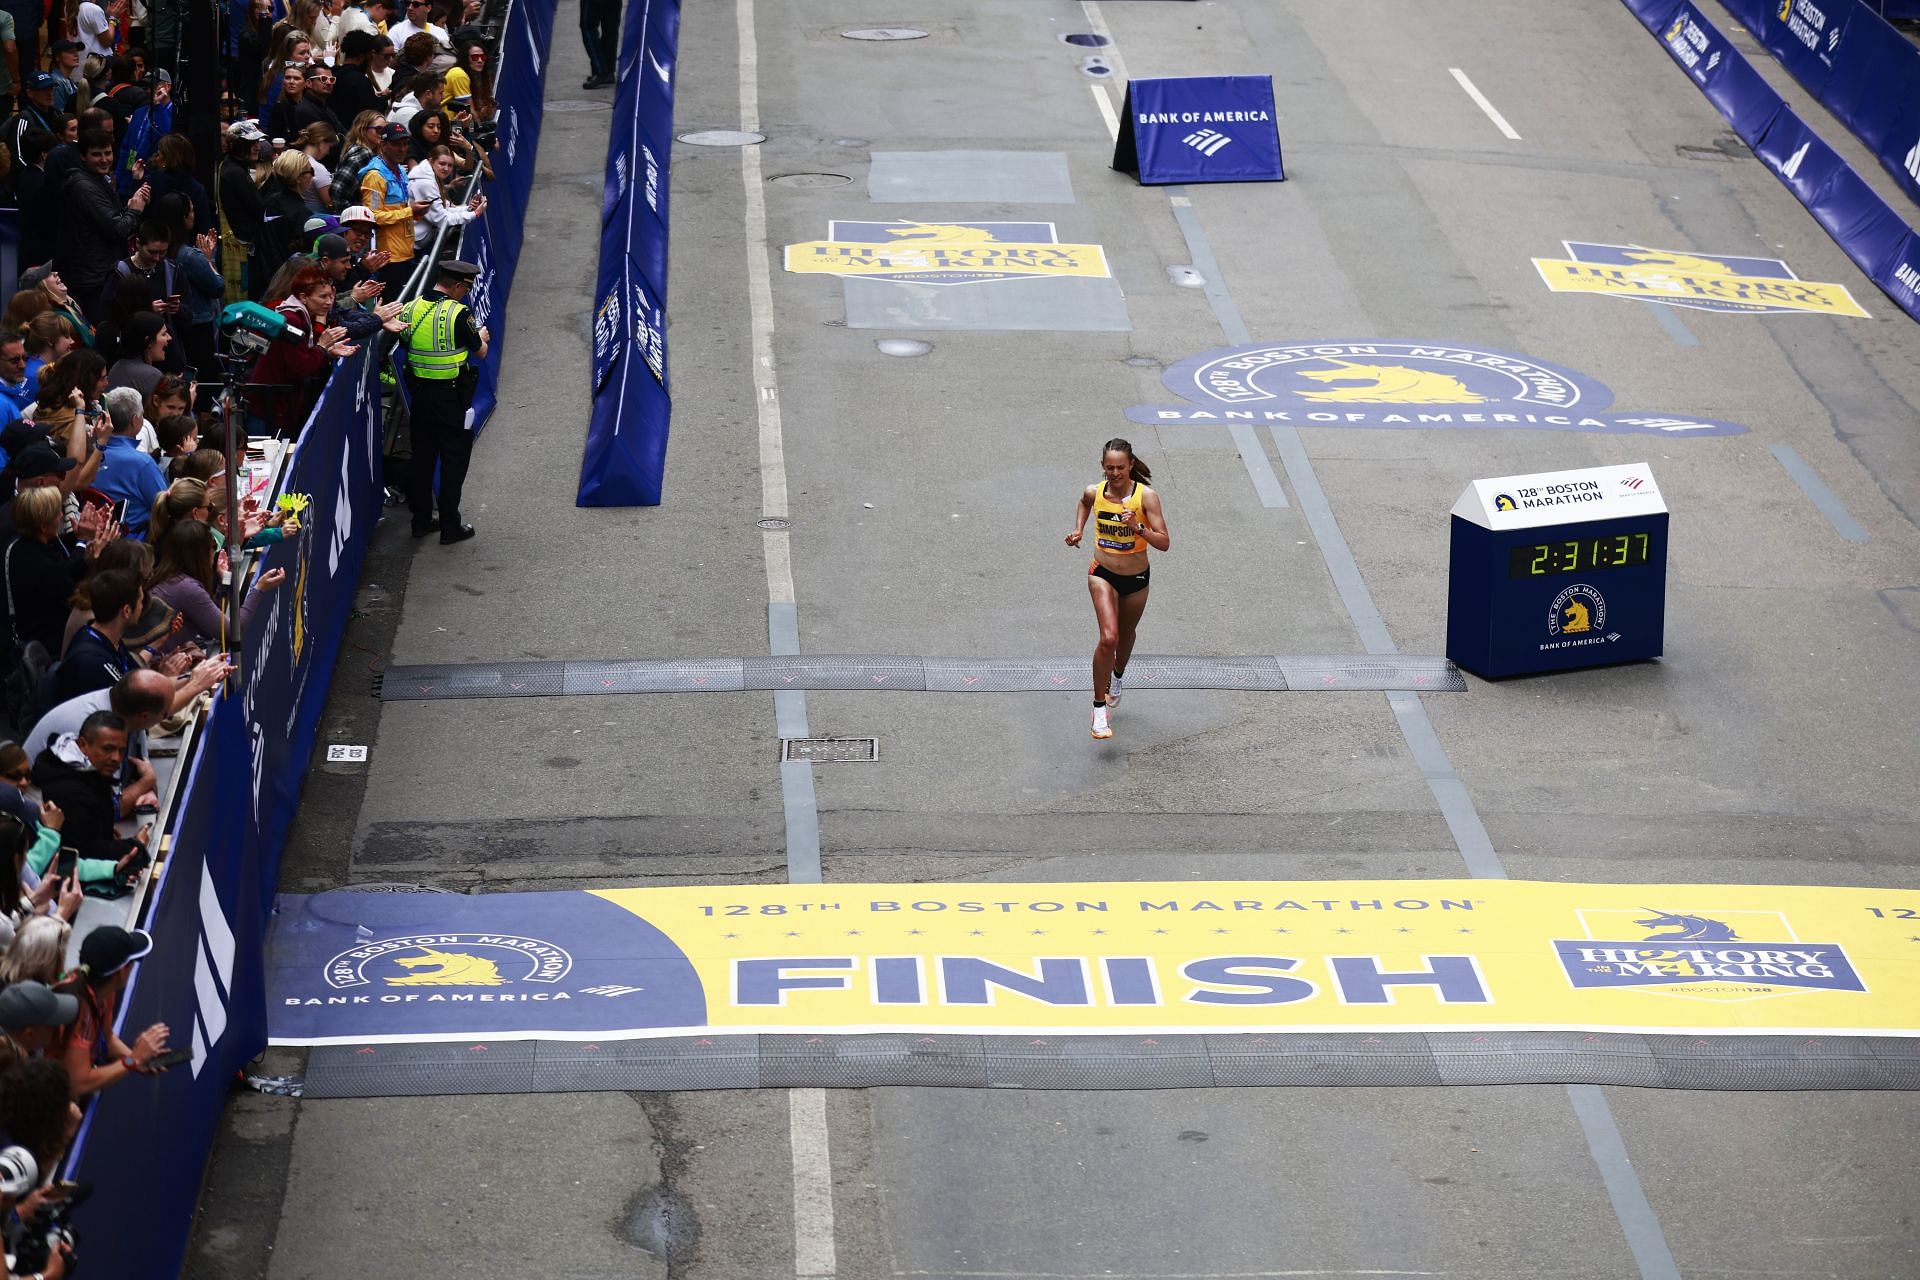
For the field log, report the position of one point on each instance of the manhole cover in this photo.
(903, 347)
(885, 33)
(1085, 39)
(1097, 66)
(830, 750)
(564, 105)
(722, 138)
(774, 522)
(811, 179)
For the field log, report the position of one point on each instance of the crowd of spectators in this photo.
(349, 137)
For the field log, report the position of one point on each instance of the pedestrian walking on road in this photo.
(442, 343)
(1126, 521)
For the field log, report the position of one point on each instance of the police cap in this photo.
(454, 269)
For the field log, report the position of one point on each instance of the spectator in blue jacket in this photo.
(128, 473)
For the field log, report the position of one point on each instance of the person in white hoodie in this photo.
(423, 183)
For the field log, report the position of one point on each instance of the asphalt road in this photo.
(1773, 744)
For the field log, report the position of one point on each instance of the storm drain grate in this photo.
(829, 750)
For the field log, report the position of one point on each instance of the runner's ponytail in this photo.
(1140, 472)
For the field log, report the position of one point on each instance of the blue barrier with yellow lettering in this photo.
(1866, 228)
(625, 458)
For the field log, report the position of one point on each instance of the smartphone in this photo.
(66, 863)
(171, 1058)
(173, 300)
(120, 511)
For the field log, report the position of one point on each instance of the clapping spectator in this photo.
(185, 576)
(95, 1056)
(39, 568)
(302, 365)
(383, 192)
(99, 222)
(79, 781)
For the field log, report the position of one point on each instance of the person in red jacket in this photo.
(301, 366)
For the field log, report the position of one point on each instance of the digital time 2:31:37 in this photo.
(1619, 551)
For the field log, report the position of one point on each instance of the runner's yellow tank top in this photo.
(1106, 521)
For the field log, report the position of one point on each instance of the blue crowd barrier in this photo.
(146, 1139)
(492, 241)
(1866, 228)
(625, 458)
(1846, 55)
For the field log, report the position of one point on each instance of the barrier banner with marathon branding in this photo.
(1094, 958)
(1867, 229)
(625, 459)
(1862, 70)
(492, 241)
(1200, 129)
(146, 1139)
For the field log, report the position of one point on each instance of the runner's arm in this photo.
(1153, 524)
(1080, 516)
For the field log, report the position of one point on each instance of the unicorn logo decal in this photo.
(448, 969)
(1686, 928)
(1388, 384)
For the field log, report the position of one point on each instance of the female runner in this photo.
(1126, 521)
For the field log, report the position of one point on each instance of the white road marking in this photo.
(813, 1254)
(1105, 104)
(1480, 99)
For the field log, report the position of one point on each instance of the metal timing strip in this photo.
(1296, 673)
(1729, 1062)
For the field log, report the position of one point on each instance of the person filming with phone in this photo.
(95, 1057)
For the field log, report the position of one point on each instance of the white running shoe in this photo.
(1113, 690)
(1100, 727)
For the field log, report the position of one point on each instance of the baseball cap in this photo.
(246, 131)
(109, 949)
(41, 459)
(11, 801)
(35, 1004)
(43, 80)
(394, 132)
(331, 246)
(20, 433)
(356, 213)
(66, 46)
(160, 75)
(321, 224)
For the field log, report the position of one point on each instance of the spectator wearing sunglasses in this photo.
(416, 21)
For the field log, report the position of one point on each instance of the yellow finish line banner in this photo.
(1064, 959)
(1361, 955)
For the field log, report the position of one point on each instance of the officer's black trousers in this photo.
(440, 439)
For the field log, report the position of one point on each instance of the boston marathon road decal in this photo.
(1720, 282)
(1097, 959)
(946, 253)
(1400, 384)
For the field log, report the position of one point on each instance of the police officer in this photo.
(442, 344)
